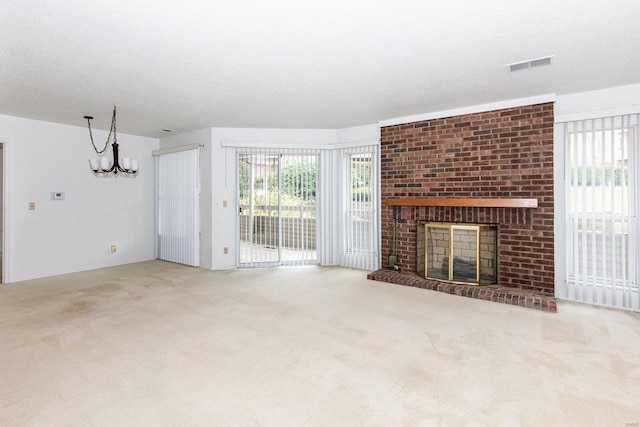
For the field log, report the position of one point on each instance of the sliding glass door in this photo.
(277, 208)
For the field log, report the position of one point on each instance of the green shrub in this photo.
(297, 180)
(595, 175)
(361, 194)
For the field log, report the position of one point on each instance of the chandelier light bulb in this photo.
(104, 164)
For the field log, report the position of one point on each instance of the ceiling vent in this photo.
(532, 63)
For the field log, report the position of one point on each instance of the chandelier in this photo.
(102, 165)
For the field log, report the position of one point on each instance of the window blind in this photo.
(178, 207)
(601, 185)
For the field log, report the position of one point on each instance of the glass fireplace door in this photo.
(461, 253)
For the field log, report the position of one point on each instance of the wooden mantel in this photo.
(470, 203)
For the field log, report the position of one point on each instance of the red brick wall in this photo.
(504, 153)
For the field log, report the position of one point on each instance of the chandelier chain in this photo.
(112, 130)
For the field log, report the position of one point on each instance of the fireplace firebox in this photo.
(457, 253)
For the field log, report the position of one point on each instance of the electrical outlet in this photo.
(226, 250)
(32, 206)
(114, 248)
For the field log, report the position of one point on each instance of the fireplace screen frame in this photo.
(480, 240)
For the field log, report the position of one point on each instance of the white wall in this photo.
(75, 234)
(358, 134)
(597, 103)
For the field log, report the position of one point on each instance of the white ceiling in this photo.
(329, 64)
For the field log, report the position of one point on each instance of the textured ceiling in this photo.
(299, 64)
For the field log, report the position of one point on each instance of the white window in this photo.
(601, 183)
(360, 239)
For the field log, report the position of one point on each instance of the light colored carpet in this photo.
(159, 344)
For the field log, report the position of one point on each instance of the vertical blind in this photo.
(360, 240)
(601, 184)
(329, 208)
(178, 207)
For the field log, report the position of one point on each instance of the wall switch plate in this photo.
(32, 206)
(58, 195)
(114, 248)
(225, 203)
(226, 250)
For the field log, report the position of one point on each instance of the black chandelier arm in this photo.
(115, 168)
(116, 160)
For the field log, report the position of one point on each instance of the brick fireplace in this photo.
(502, 154)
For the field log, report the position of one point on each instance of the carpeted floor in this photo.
(159, 344)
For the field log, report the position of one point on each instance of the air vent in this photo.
(532, 63)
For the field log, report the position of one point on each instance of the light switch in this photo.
(32, 206)
(225, 204)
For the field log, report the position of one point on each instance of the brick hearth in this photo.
(493, 293)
